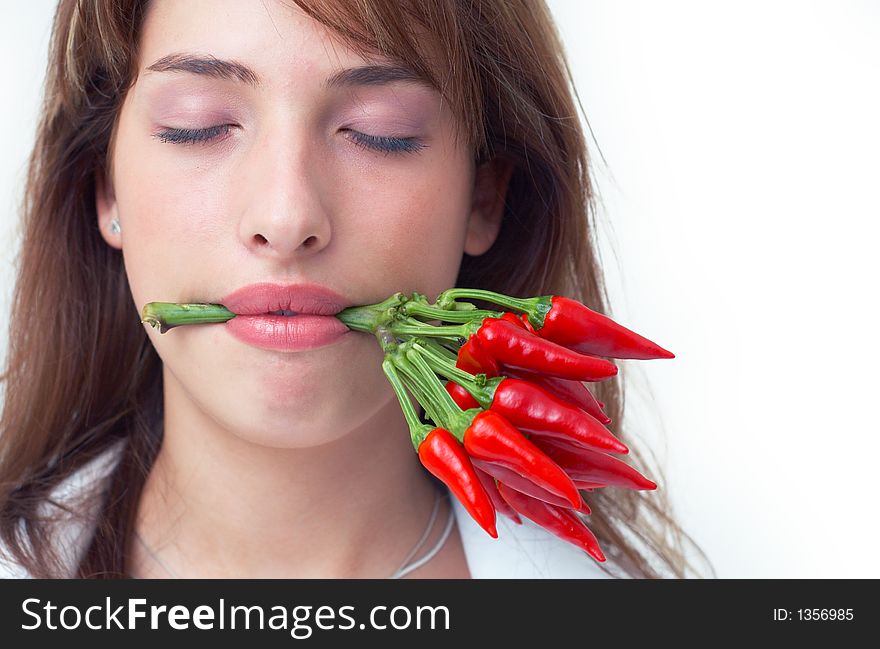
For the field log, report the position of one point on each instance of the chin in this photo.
(291, 392)
(287, 439)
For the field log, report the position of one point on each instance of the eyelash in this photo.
(192, 135)
(384, 145)
(387, 145)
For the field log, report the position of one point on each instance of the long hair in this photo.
(81, 373)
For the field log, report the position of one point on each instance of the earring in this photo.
(115, 228)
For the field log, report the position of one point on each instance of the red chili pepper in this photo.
(466, 401)
(445, 457)
(586, 465)
(474, 359)
(499, 502)
(492, 438)
(562, 522)
(588, 486)
(533, 409)
(462, 397)
(524, 485)
(511, 345)
(574, 392)
(512, 317)
(576, 326)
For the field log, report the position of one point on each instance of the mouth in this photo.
(286, 330)
(286, 300)
(282, 312)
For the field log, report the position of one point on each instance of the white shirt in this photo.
(524, 551)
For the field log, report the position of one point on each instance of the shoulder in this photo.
(524, 551)
(74, 529)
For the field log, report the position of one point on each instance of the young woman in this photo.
(337, 152)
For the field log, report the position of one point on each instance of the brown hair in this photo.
(81, 373)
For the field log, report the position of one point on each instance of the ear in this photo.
(105, 206)
(490, 189)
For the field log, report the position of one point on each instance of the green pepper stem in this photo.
(420, 298)
(414, 382)
(167, 315)
(387, 342)
(372, 316)
(521, 304)
(442, 365)
(452, 415)
(535, 307)
(481, 387)
(451, 347)
(417, 430)
(407, 329)
(447, 353)
(451, 339)
(446, 315)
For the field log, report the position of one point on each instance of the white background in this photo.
(739, 230)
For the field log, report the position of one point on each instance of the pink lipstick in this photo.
(289, 317)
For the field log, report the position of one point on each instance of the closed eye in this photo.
(387, 144)
(398, 145)
(192, 135)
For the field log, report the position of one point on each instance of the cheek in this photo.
(168, 204)
(172, 218)
(412, 225)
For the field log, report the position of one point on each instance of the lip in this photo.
(258, 299)
(315, 324)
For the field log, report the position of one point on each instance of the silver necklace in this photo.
(406, 567)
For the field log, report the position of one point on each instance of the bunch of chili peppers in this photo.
(513, 429)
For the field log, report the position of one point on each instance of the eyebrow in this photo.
(209, 66)
(376, 75)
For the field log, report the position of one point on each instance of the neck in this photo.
(218, 506)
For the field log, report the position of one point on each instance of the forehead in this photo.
(255, 42)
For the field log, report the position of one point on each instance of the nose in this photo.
(283, 216)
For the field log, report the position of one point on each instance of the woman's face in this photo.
(278, 189)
